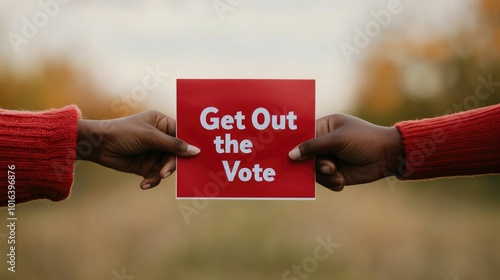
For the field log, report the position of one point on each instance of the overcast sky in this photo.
(116, 40)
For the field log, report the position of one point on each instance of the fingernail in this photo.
(146, 187)
(167, 174)
(326, 170)
(192, 150)
(294, 154)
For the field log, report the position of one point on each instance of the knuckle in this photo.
(153, 112)
(307, 147)
(337, 188)
(178, 145)
(154, 115)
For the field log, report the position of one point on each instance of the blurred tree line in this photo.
(55, 84)
(408, 79)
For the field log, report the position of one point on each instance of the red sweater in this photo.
(39, 149)
(466, 143)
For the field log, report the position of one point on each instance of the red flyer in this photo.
(245, 129)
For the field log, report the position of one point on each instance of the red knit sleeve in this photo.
(466, 143)
(39, 148)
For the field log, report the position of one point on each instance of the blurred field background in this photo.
(427, 60)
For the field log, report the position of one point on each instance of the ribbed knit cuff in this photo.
(42, 147)
(466, 143)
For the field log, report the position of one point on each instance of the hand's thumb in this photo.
(173, 145)
(323, 144)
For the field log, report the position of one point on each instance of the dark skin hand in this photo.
(351, 151)
(143, 144)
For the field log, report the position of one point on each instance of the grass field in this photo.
(110, 229)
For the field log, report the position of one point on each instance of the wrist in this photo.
(394, 152)
(87, 141)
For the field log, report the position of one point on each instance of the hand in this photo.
(351, 151)
(143, 144)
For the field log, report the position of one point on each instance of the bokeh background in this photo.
(426, 60)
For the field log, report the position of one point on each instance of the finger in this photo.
(168, 167)
(164, 137)
(171, 127)
(325, 167)
(164, 123)
(150, 170)
(323, 144)
(172, 145)
(335, 182)
(151, 180)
